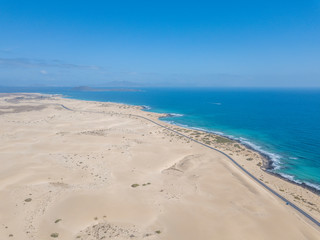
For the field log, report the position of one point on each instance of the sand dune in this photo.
(101, 173)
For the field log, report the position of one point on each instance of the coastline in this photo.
(267, 163)
(172, 165)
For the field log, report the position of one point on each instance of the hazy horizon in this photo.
(160, 44)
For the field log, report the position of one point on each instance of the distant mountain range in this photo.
(90, 89)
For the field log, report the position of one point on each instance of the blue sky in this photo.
(160, 43)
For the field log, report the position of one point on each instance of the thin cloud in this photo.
(31, 63)
(7, 50)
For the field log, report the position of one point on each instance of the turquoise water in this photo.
(282, 124)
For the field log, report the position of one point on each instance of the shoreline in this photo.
(268, 164)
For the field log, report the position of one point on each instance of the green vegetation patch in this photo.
(54, 235)
(135, 185)
(58, 220)
(219, 139)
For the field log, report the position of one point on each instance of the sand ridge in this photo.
(101, 173)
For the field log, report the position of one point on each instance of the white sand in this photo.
(77, 169)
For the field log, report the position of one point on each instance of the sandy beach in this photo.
(74, 169)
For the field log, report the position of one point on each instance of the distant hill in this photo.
(90, 89)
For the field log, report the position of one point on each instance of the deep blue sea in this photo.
(281, 123)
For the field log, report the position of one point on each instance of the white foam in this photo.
(174, 115)
(313, 185)
(275, 158)
(292, 178)
(289, 177)
(216, 103)
(174, 123)
(145, 107)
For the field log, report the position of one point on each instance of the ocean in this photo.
(283, 124)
